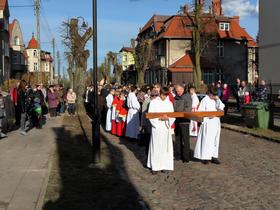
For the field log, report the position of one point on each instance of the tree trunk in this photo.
(140, 78)
(79, 87)
(197, 45)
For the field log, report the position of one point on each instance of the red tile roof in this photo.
(176, 27)
(157, 21)
(3, 4)
(186, 64)
(183, 64)
(11, 26)
(33, 44)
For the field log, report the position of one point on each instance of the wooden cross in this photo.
(197, 116)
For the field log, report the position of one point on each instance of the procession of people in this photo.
(164, 138)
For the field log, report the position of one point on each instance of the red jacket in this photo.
(14, 94)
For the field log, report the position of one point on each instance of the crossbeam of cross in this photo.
(197, 116)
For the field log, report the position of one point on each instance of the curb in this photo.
(43, 191)
(40, 202)
(237, 129)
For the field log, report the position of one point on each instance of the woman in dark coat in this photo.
(52, 101)
(22, 103)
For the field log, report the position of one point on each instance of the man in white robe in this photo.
(109, 101)
(207, 145)
(160, 155)
(133, 121)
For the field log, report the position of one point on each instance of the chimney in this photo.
(217, 9)
(236, 19)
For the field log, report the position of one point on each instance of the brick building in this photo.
(228, 52)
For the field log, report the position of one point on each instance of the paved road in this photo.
(24, 163)
(248, 178)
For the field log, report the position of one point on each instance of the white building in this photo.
(39, 61)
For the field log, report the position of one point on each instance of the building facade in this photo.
(18, 61)
(269, 41)
(227, 49)
(39, 62)
(129, 74)
(4, 41)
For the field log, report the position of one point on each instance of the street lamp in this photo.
(84, 24)
(96, 117)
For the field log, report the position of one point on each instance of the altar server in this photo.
(109, 101)
(133, 121)
(207, 145)
(160, 156)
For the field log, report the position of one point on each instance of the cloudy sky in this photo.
(118, 20)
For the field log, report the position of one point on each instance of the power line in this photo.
(24, 5)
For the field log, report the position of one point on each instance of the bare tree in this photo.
(75, 38)
(144, 57)
(113, 58)
(204, 32)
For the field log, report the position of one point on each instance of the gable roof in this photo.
(4, 5)
(183, 64)
(176, 27)
(127, 49)
(187, 63)
(180, 26)
(157, 21)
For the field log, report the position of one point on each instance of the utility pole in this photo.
(58, 65)
(52, 73)
(37, 8)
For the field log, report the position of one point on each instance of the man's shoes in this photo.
(3, 135)
(185, 161)
(205, 162)
(164, 171)
(23, 133)
(215, 161)
(154, 172)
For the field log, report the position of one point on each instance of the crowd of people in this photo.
(125, 108)
(31, 104)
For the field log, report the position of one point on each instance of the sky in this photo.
(118, 20)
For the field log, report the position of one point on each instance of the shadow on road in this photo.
(72, 185)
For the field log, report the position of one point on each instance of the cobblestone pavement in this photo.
(248, 178)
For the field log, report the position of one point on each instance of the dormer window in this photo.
(224, 26)
(35, 53)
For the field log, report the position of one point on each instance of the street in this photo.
(248, 178)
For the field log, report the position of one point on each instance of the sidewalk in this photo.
(24, 167)
(234, 121)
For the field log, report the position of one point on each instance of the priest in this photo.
(160, 155)
(207, 145)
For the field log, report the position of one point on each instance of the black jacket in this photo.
(183, 104)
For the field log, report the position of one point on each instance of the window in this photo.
(35, 53)
(219, 74)
(16, 41)
(125, 58)
(221, 50)
(15, 58)
(208, 76)
(35, 66)
(224, 26)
